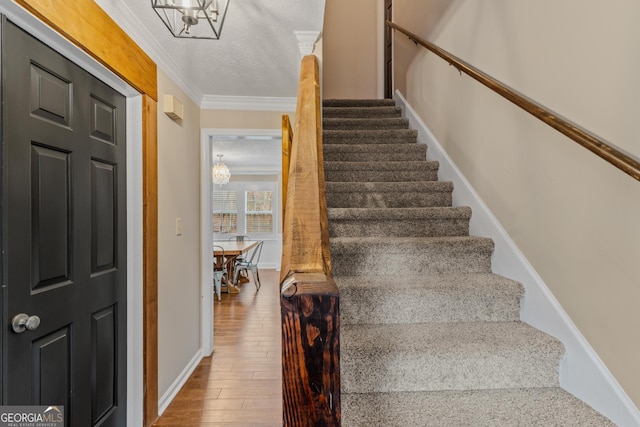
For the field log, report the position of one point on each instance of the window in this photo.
(225, 212)
(259, 212)
(245, 208)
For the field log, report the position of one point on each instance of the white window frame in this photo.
(241, 188)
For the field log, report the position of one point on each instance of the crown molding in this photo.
(147, 41)
(306, 41)
(248, 103)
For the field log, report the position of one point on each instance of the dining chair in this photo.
(250, 263)
(219, 272)
(240, 238)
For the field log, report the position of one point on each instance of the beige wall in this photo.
(234, 119)
(349, 49)
(179, 282)
(178, 256)
(573, 215)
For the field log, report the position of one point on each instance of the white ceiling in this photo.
(257, 55)
(247, 153)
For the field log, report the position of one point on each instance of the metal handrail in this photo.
(591, 142)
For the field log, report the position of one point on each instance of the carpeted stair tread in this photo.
(404, 245)
(370, 136)
(447, 356)
(398, 214)
(530, 407)
(413, 148)
(399, 222)
(374, 153)
(355, 256)
(361, 112)
(366, 123)
(339, 102)
(388, 194)
(430, 298)
(415, 165)
(381, 171)
(389, 187)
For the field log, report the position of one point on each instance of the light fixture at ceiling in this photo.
(196, 19)
(220, 172)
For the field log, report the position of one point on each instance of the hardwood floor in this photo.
(241, 383)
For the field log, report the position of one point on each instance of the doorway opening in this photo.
(254, 159)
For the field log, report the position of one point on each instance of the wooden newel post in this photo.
(310, 310)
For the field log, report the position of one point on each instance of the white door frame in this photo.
(206, 255)
(39, 30)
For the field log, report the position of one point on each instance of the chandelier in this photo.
(220, 172)
(196, 19)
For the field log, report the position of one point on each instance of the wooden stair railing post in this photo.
(287, 139)
(310, 300)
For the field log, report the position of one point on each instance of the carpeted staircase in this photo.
(429, 335)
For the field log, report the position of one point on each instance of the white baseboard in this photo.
(269, 266)
(175, 387)
(582, 372)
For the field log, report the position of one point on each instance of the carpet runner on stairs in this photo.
(429, 335)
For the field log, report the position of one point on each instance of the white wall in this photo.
(178, 256)
(574, 216)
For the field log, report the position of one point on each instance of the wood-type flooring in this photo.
(241, 383)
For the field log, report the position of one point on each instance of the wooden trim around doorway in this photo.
(87, 26)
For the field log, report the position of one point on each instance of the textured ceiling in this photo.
(257, 55)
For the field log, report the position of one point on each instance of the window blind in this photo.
(225, 212)
(259, 212)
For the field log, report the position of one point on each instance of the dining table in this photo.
(225, 254)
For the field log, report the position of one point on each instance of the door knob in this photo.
(21, 322)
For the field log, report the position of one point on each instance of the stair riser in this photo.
(437, 259)
(397, 156)
(378, 176)
(358, 102)
(393, 305)
(539, 407)
(370, 137)
(375, 140)
(361, 124)
(388, 200)
(395, 228)
(411, 148)
(434, 371)
(360, 112)
(352, 152)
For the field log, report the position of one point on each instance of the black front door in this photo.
(63, 235)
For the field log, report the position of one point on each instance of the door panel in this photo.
(63, 235)
(103, 362)
(103, 215)
(51, 367)
(50, 96)
(50, 189)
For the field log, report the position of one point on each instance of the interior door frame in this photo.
(380, 13)
(54, 24)
(206, 253)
